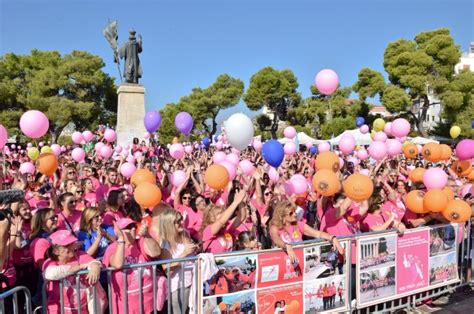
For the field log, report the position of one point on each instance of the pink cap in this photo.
(125, 222)
(62, 237)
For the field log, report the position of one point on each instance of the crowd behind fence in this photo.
(314, 255)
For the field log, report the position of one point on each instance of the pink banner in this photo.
(412, 261)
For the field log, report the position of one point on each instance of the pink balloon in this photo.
(233, 159)
(12, 146)
(3, 136)
(420, 148)
(289, 148)
(465, 149)
(63, 149)
(219, 145)
(435, 178)
(110, 135)
(118, 149)
(466, 189)
(131, 159)
(394, 147)
(377, 150)
(402, 139)
(341, 163)
(77, 137)
(364, 129)
(247, 167)
(230, 168)
(34, 124)
(364, 172)
(289, 132)
(127, 169)
(218, 157)
(327, 81)
(235, 151)
(388, 128)
(289, 189)
(300, 185)
(29, 145)
(309, 145)
(354, 160)
(273, 174)
(362, 154)
(106, 152)
(257, 145)
(177, 151)
(41, 144)
(347, 144)
(178, 177)
(400, 127)
(126, 147)
(98, 146)
(188, 149)
(146, 135)
(27, 168)
(88, 136)
(380, 137)
(56, 149)
(324, 147)
(78, 154)
(137, 155)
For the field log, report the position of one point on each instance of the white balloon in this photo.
(239, 131)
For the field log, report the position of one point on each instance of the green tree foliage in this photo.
(204, 106)
(69, 88)
(414, 67)
(276, 90)
(336, 126)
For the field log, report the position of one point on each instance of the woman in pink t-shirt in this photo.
(377, 219)
(69, 218)
(285, 229)
(125, 251)
(217, 230)
(88, 193)
(114, 211)
(65, 260)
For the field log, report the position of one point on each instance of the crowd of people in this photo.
(85, 217)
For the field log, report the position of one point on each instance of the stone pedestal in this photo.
(130, 113)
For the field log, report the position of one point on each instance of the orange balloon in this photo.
(147, 195)
(471, 175)
(414, 202)
(47, 164)
(143, 175)
(222, 306)
(431, 152)
(327, 160)
(301, 198)
(446, 152)
(462, 167)
(457, 211)
(435, 201)
(410, 151)
(449, 193)
(217, 177)
(295, 305)
(416, 175)
(358, 187)
(326, 182)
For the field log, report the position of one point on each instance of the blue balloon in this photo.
(360, 121)
(273, 153)
(472, 123)
(216, 138)
(313, 150)
(206, 141)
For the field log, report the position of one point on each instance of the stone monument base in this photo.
(130, 113)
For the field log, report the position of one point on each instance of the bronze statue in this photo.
(129, 52)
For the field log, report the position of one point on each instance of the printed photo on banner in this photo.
(235, 274)
(377, 284)
(377, 252)
(443, 268)
(276, 268)
(280, 300)
(325, 295)
(323, 261)
(242, 302)
(442, 240)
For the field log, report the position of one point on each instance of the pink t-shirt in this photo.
(103, 191)
(372, 220)
(110, 217)
(38, 247)
(134, 254)
(9, 272)
(293, 233)
(74, 220)
(221, 242)
(91, 198)
(23, 256)
(396, 208)
(192, 221)
(69, 288)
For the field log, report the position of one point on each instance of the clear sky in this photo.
(189, 43)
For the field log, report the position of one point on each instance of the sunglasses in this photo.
(268, 193)
(71, 172)
(186, 197)
(79, 191)
(178, 221)
(72, 203)
(96, 217)
(53, 218)
(291, 213)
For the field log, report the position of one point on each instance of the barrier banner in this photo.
(268, 282)
(392, 266)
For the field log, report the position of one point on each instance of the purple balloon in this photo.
(152, 121)
(184, 122)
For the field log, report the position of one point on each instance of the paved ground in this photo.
(461, 301)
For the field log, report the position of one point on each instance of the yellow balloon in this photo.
(33, 153)
(378, 125)
(372, 134)
(405, 143)
(46, 149)
(455, 131)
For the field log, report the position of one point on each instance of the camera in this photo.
(6, 213)
(8, 197)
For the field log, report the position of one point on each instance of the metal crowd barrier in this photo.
(465, 263)
(13, 293)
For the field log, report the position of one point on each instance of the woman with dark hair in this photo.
(378, 220)
(69, 218)
(114, 210)
(247, 241)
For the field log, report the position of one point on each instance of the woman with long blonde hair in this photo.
(285, 229)
(176, 243)
(95, 236)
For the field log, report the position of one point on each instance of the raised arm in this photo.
(219, 223)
